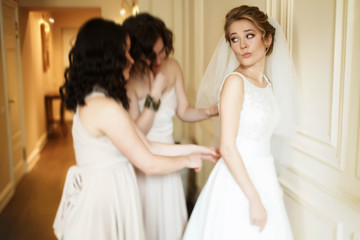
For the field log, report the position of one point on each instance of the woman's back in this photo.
(94, 191)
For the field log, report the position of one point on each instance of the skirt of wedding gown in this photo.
(222, 210)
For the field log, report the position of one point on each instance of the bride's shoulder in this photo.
(235, 77)
(232, 83)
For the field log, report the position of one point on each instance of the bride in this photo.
(242, 198)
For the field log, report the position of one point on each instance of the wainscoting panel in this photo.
(322, 185)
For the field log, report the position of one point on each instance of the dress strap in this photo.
(267, 80)
(222, 84)
(243, 77)
(236, 73)
(95, 94)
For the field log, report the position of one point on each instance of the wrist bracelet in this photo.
(151, 104)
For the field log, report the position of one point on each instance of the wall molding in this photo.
(6, 194)
(329, 150)
(351, 96)
(355, 236)
(318, 201)
(199, 38)
(6, 96)
(19, 171)
(198, 55)
(318, 150)
(272, 9)
(342, 197)
(358, 148)
(351, 21)
(337, 227)
(288, 14)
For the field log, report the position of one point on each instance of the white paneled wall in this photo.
(322, 187)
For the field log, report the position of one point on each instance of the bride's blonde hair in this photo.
(257, 17)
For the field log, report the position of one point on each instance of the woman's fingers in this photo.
(260, 223)
(213, 151)
(209, 157)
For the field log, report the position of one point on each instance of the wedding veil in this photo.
(281, 72)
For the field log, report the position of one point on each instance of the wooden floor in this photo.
(30, 213)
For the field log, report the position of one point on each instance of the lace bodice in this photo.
(258, 118)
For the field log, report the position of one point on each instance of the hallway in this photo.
(30, 213)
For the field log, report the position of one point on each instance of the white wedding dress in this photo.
(222, 209)
(162, 196)
(100, 199)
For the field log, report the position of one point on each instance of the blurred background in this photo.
(322, 185)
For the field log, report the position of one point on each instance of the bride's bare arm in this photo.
(233, 92)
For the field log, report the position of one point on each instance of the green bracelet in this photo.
(150, 103)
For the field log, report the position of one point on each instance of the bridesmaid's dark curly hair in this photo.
(96, 60)
(144, 29)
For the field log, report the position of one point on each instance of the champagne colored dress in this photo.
(162, 196)
(100, 199)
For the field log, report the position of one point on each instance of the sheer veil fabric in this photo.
(281, 72)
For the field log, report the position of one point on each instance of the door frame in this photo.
(14, 5)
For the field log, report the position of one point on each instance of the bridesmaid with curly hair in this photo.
(100, 198)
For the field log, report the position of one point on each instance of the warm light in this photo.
(46, 25)
(122, 11)
(51, 20)
(135, 10)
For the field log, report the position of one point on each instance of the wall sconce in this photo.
(45, 25)
(126, 6)
(135, 9)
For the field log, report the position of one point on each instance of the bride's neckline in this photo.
(252, 82)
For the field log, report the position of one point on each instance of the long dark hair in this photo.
(96, 60)
(144, 29)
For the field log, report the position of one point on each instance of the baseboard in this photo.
(34, 157)
(5, 196)
(19, 171)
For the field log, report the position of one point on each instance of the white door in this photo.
(13, 85)
(6, 183)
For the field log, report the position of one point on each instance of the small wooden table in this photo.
(50, 120)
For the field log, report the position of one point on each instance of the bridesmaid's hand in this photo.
(213, 151)
(213, 110)
(195, 160)
(258, 215)
(157, 85)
